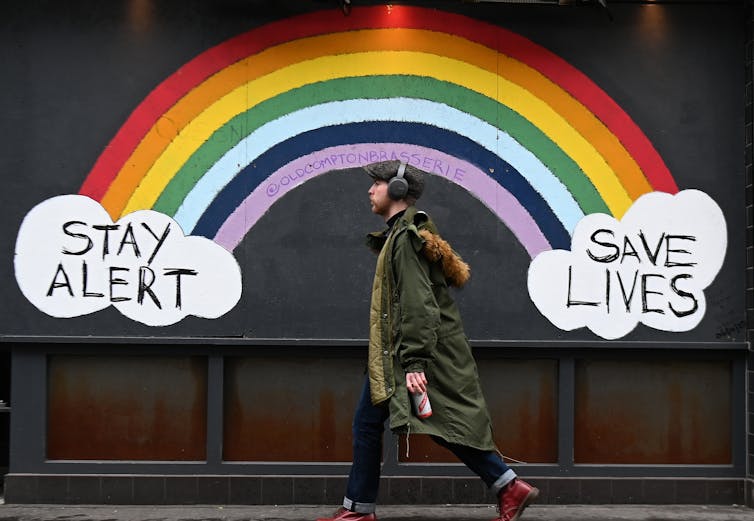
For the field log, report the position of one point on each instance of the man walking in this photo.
(417, 345)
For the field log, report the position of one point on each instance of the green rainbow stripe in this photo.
(380, 87)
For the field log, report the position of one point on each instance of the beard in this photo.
(380, 208)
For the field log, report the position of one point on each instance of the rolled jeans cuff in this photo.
(359, 508)
(502, 481)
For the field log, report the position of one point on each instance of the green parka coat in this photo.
(415, 326)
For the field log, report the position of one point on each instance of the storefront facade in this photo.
(186, 310)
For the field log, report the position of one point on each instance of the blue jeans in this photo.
(364, 478)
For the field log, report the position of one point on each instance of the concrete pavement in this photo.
(385, 513)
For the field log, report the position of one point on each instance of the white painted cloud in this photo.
(652, 267)
(71, 259)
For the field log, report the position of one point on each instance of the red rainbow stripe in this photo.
(177, 85)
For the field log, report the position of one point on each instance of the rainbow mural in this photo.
(232, 131)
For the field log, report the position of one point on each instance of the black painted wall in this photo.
(75, 70)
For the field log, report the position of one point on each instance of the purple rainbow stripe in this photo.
(504, 205)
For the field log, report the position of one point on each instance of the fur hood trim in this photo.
(435, 249)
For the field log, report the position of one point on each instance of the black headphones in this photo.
(397, 188)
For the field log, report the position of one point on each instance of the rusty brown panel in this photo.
(127, 408)
(522, 399)
(281, 409)
(653, 412)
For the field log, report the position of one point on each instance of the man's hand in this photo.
(416, 382)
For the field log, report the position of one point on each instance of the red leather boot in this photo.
(514, 498)
(343, 514)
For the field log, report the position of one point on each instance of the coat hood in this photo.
(436, 249)
(432, 245)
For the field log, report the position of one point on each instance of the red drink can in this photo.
(421, 405)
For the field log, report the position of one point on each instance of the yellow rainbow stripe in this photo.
(167, 146)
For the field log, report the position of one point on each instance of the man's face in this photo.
(380, 201)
